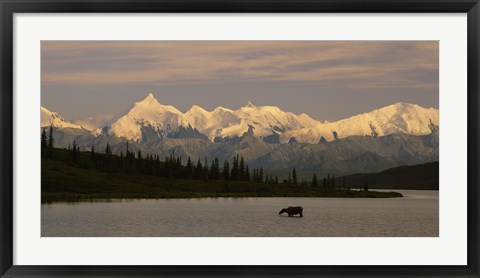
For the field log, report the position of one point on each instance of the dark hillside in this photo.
(421, 177)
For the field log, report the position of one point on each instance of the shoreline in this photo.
(73, 198)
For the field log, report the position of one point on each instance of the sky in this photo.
(328, 80)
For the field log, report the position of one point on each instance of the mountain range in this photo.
(397, 134)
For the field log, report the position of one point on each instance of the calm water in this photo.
(414, 215)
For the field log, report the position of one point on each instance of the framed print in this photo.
(239, 139)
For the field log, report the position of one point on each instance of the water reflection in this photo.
(414, 215)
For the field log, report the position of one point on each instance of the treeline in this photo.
(47, 144)
(328, 182)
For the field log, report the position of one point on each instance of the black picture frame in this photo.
(10, 7)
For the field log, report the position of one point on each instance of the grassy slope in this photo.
(422, 176)
(61, 182)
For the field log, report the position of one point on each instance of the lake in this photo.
(415, 215)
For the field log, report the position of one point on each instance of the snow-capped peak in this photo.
(398, 107)
(148, 114)
(149, 97)
(49, 118)
(151, 103)
(198, 109)
(263, 121)
(211, 123)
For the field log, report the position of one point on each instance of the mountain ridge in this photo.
(148, 120)
(50, 118)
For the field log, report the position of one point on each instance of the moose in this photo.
(291, 211)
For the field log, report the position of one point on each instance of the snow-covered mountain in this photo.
(213, 122)
(272, 124)
(261, 121)
(49, 118)
(396, 118)
(148, 120)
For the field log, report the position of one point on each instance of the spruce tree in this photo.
(234, 173)
(92, 154)
(226, 170)
(151, 165)
(108, 150)
(314, 180)
(158, 171)
(44, 143)
(205, 170)
(213, 169)
(122, 163)
(198, 170)
(241, 169)
(139, 162)
(168, 168)
(146, 165)
(130, 161)
(50, 143)
(217, 168)
(74, 152)
(294, 177)
(189, 168)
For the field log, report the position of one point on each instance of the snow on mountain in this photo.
(396, 118)
(49, 118)
(211, 123)
(147, 118)
(261, 121)
(265, 120)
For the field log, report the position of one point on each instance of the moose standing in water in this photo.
(291, 211)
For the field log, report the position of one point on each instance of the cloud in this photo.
(375, 64)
